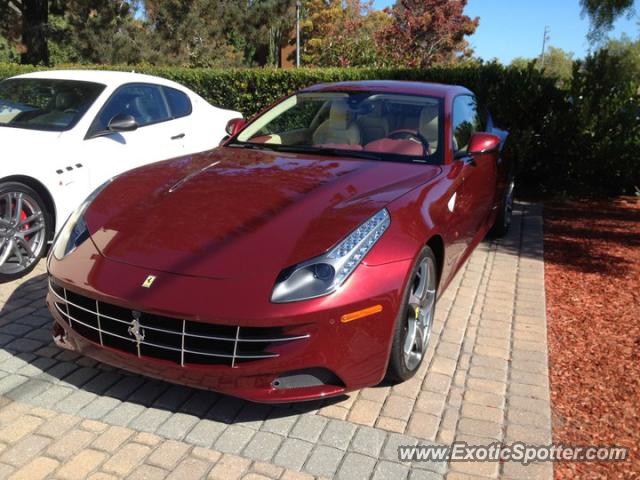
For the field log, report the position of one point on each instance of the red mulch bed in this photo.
(592, 282)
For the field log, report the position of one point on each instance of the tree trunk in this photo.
(35, 16)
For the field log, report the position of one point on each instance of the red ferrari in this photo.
(301, 259)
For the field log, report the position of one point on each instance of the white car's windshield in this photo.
(45, 104)
(386, 126)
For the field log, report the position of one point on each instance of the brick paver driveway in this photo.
(484, 380)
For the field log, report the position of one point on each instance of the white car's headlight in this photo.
(324, 274)
(74, 231)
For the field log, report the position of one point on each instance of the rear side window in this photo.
(143, 102)
(466, 121)
(179, 102)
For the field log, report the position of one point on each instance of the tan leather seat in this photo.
(428, 126)
(374, 125)
(338, 129)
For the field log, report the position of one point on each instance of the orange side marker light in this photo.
(361, 313)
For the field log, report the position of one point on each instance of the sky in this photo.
(514, 28)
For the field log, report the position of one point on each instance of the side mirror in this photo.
(481, 143)
(122, 123)
(234, 126)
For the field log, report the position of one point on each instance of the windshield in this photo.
(45, 104)
(385, 126)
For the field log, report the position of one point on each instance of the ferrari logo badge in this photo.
(135, 330)
(417, 312)
(149, 281)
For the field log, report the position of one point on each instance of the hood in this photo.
(231, 212)
(32, 146)
(21, 139)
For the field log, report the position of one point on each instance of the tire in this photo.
(408, 349)
(503, 220)
(25, 230)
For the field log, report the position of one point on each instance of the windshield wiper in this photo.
(334, 152)
(252, 146)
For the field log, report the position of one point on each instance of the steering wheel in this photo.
(70, 110)
(411, 135)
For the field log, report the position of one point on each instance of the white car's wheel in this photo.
(25, 228)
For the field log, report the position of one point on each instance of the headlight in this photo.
(324, 274)
(74, 231)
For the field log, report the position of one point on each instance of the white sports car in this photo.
(64, 133)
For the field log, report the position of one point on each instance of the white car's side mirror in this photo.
(122, 123)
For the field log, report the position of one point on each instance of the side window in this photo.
(179, 102)
(466, 121)
(143, 102)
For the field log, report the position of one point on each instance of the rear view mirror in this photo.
(235, 125)
(122, 123)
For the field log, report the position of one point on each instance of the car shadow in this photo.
(42, 371)
(524, 237)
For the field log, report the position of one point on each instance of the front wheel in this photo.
(503, 220)
(25, 228)
(415, 319)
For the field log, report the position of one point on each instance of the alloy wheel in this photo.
(419, 314)
(22, 232)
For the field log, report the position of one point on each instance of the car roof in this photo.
(106, 77)
(392, 86)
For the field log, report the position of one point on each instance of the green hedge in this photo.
(577, 141)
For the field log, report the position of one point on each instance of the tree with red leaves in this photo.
(426, 32)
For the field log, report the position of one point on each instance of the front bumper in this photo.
(352, 355)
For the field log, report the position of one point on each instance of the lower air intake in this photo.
(310, 377)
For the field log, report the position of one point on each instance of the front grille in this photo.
(180, 341)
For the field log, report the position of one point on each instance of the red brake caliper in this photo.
(23, 217)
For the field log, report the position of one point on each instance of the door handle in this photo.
(178, 137)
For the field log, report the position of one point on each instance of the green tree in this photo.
(628, 52)
(337, 33)
(266, 27)
(212, 33)
(35, 15)
(82, 31)
(190, 33)
(8, 53)
(606, 105)
(603, 13)
(23, 24)
(523, 63)
(558, 64)
(11, 20)
(96, 31)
